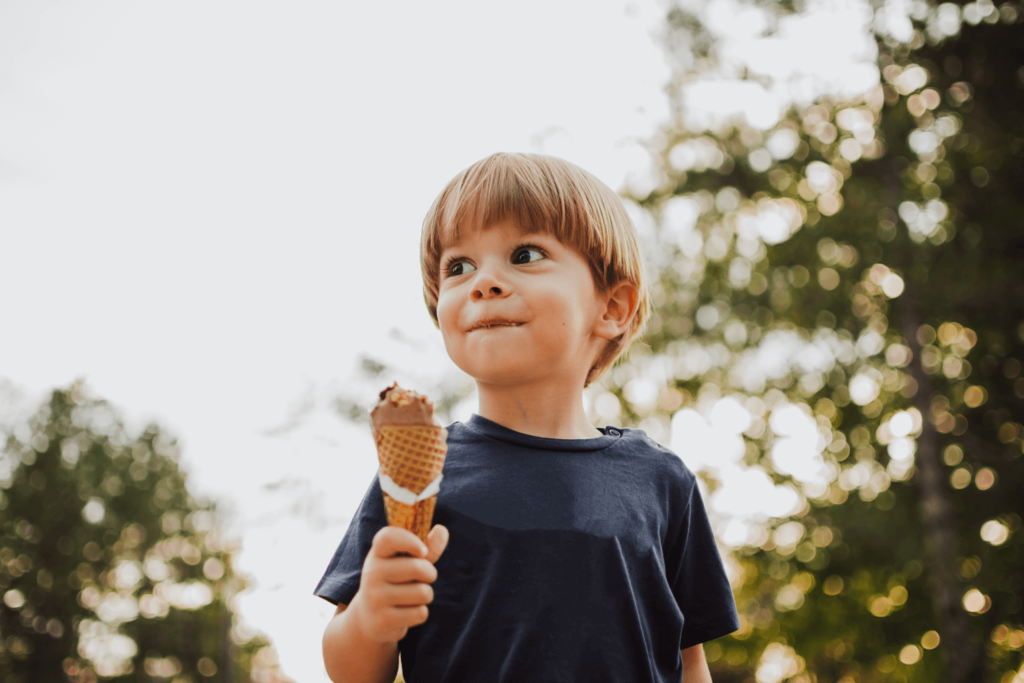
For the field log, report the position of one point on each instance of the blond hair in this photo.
(553, 196)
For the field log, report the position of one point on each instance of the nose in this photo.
(489, 292)
(488, 285)
(492, 291)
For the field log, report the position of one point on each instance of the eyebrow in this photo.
(518, 234)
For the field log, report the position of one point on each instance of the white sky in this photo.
(209, 210)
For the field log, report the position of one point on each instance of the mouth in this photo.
(488, 324)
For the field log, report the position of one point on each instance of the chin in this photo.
(505, 375)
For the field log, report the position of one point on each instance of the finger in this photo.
(392, 540)
(408, 616)
(437, 541)
(395, 620)
(407, 595)
(407, 570)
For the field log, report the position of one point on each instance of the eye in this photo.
(527, 254)
(459, 268)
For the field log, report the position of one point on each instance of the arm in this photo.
(360, 643)
(349, 655)
(695, 667)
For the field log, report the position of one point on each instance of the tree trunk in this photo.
(961, 651)
(227, 660)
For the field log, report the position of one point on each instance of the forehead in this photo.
(509, 228)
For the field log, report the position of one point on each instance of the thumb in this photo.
(437, 541)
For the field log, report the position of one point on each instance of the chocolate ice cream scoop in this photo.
(398, 406)
(411, 447)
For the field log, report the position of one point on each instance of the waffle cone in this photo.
(412, 456)
(416, 518)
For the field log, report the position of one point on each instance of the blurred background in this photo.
(209, 217)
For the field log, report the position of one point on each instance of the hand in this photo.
(395, 590)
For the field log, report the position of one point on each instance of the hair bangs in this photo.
(505, 188)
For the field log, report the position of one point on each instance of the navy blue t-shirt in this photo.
(568, 560)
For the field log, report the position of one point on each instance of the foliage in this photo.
(842, 297)
(862, 262)
(109, 568)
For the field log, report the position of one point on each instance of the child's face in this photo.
(539, 296)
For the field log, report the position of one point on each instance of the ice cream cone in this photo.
(411, 459)
(416, 518)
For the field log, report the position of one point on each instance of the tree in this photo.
(840, 330)
(109, 568)
(854, 274)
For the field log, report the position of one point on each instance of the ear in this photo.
(620, 304)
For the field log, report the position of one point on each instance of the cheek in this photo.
(564, 311)
(447, 315)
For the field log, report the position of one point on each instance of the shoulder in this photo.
(646, 452)
(460, 432)
(457, 428)
(466, 442)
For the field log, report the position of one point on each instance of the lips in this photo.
(494, 322)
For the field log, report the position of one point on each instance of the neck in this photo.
(552, 410)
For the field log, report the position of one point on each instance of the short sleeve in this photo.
(341, 580)
(697, 575)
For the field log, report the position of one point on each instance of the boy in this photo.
(561, 552)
